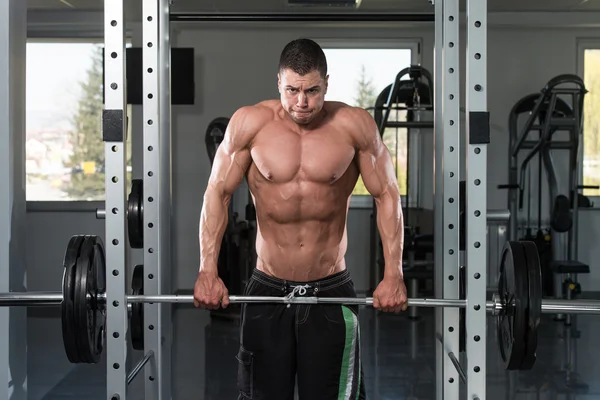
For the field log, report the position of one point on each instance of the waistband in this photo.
(305, 287)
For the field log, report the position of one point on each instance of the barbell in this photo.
(518, 305)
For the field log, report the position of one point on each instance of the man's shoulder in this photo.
(263, 109)
(355, 119)
(250, 119)
(346, 111)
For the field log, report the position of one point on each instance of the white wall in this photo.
(237, 66)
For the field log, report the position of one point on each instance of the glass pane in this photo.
(591, 124)
(356, 77)
(64, 148)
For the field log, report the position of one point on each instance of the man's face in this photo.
(302, 96)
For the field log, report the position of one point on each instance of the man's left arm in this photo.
(377, 170)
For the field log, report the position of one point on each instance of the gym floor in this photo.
(399, 360)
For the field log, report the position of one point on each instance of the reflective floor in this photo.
(399, 361)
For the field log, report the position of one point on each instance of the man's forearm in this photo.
(390, 223)
(213, 223)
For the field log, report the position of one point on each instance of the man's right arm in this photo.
(230, 164)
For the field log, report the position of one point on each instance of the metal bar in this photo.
(554, 145)
(459, 368)
(139, 366)
(153, 124)
(477, 139)
(304, 17)
(115, 150)
(163, 332)
(451, 171)
(100, 214)
(438, 189)
(32, 299)
(498, 215)
(410, 124)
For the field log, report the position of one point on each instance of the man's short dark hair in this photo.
(303, 56)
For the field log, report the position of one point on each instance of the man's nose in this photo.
(302, 100)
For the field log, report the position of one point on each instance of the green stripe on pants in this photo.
(349, 356)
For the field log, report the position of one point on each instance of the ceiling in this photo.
(280, 5)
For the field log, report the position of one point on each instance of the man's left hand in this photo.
(390, 295)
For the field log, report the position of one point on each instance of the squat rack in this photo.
(157, 190)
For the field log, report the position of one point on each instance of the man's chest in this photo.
(321, 156)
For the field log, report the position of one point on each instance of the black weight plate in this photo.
(137, 309)
(514, 293)
(84, 262)
(67, 306)
(135, 214)
(96, 313)
(534, 311)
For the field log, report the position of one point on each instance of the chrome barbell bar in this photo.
(495, 306)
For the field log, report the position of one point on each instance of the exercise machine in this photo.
(556, 109)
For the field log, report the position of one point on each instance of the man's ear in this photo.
(326, 83)
(279, 82)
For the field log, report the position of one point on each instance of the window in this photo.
(357, 75)
(591, 124)
(64, 148)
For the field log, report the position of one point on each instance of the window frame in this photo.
(583, 44)
(415, 46)
(71, 205)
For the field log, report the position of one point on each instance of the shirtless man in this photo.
(302, 157)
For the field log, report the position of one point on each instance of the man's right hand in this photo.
(210, 292)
